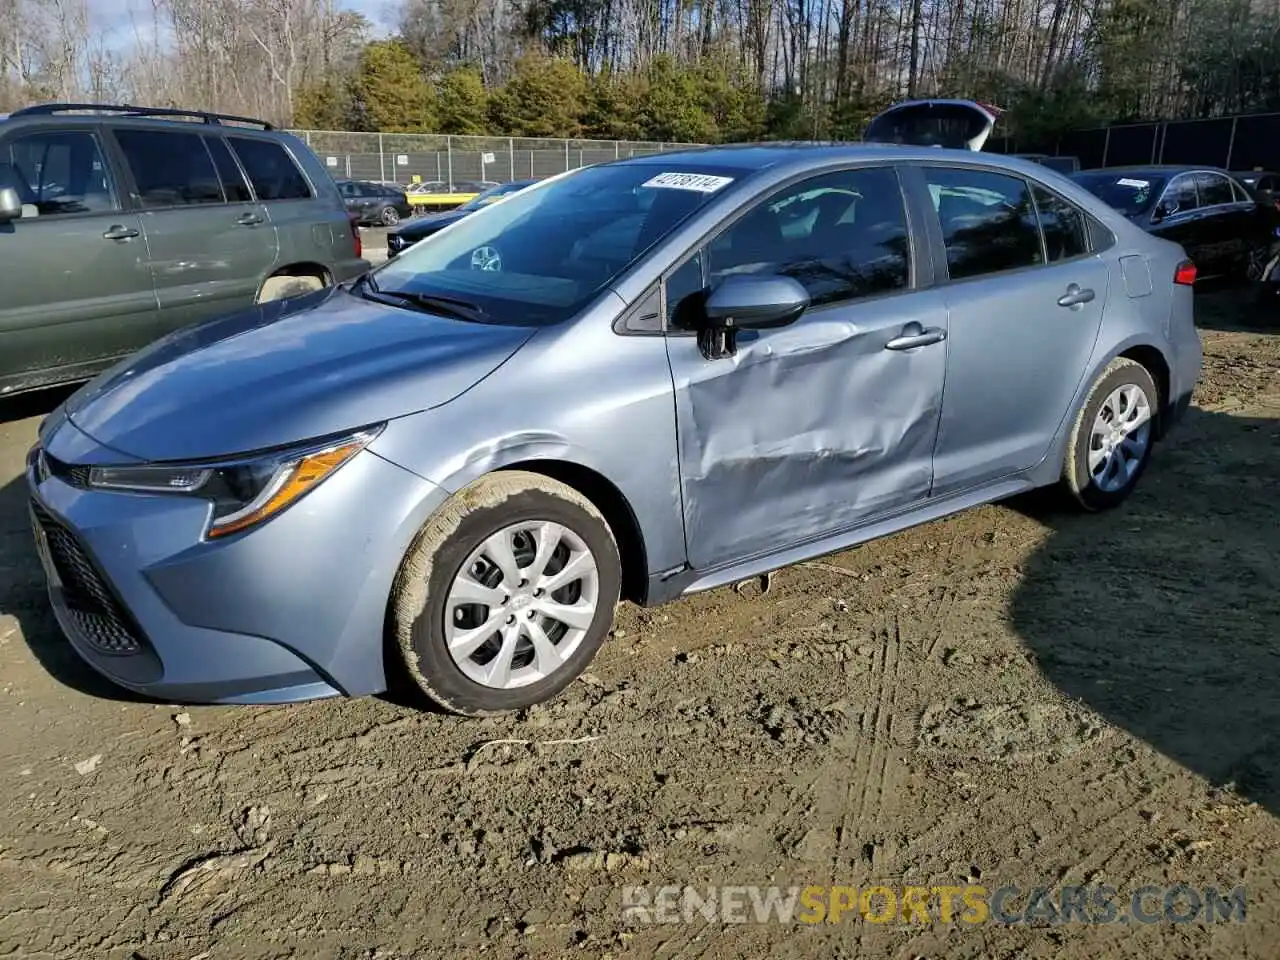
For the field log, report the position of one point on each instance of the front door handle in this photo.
(117, 232)
(913, 335)
(248, 219)
(1075, 296)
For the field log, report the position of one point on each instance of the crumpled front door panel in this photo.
(808, 429)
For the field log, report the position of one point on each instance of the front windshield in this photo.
(492, 195)
(543, 253)
(1131, 194)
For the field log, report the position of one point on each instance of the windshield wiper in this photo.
(368, 288)
(462, 309)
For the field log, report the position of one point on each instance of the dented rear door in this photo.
(815, 427)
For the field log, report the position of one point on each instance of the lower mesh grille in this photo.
(93, 609)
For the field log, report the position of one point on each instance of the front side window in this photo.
(1214, 189)
(842, 235)
(58, 174)
(170, 169)
(545, 252)
(1180, 197)
(1063, 226)
(271, 170)
(988, 221)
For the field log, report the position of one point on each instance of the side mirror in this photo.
(746, 303)
(10, 204)
(755, 303)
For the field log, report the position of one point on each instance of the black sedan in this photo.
(375, 203)
(1225, 229)
(411, 233)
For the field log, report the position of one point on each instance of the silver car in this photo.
(636, 381)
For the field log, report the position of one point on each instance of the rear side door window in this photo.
(58, 174)
(1214, 190)
(988, 221)
(1063, 225)
(271, 170)
(170, 168)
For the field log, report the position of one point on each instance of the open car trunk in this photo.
(955, 124)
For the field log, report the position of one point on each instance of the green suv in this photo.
(119, 224)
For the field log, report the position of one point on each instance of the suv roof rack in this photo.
(127, 110)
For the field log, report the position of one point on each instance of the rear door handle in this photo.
(248, 219)
(1075, 296)
(117, 232)
(913, 335)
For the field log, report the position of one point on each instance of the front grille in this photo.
(90, 603)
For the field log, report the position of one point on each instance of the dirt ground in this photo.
(1014, 696)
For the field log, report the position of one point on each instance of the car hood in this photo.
(421, 226)
(286, 372)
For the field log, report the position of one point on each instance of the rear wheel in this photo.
(389, 217)
(506, 594)
(1110, 444)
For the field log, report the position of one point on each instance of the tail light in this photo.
(354, 221)
(1185, 274)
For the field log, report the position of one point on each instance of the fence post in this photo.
(382, 168)
(1231, 144)
(1106, 146)
(448, 146)
(616, 145)
(566, 156)
(511, 150)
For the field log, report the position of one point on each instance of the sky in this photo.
(116, 19)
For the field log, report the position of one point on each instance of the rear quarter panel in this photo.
(315, 231)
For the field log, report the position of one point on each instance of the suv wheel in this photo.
(1111, 439)
(506, 594)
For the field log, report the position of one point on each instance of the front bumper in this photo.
(292, 610)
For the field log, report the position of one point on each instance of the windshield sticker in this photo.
(701, 182)
(1126, 182)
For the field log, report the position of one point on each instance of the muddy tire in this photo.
(505, 595)
(280, 288)
(1112, 437)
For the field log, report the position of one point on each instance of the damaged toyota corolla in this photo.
(632, 381)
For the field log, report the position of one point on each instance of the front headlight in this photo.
(245, 491)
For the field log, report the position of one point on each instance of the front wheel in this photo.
(1110, 443)
(506, 594)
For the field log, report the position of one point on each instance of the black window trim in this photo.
(235, 160)
(917, 245)
(105, 153)
(1089, 249)
(283, 145)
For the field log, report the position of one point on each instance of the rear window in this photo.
(1130, 193)
(271, 170)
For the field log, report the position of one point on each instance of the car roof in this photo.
(1153, 169)
(754, 157)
